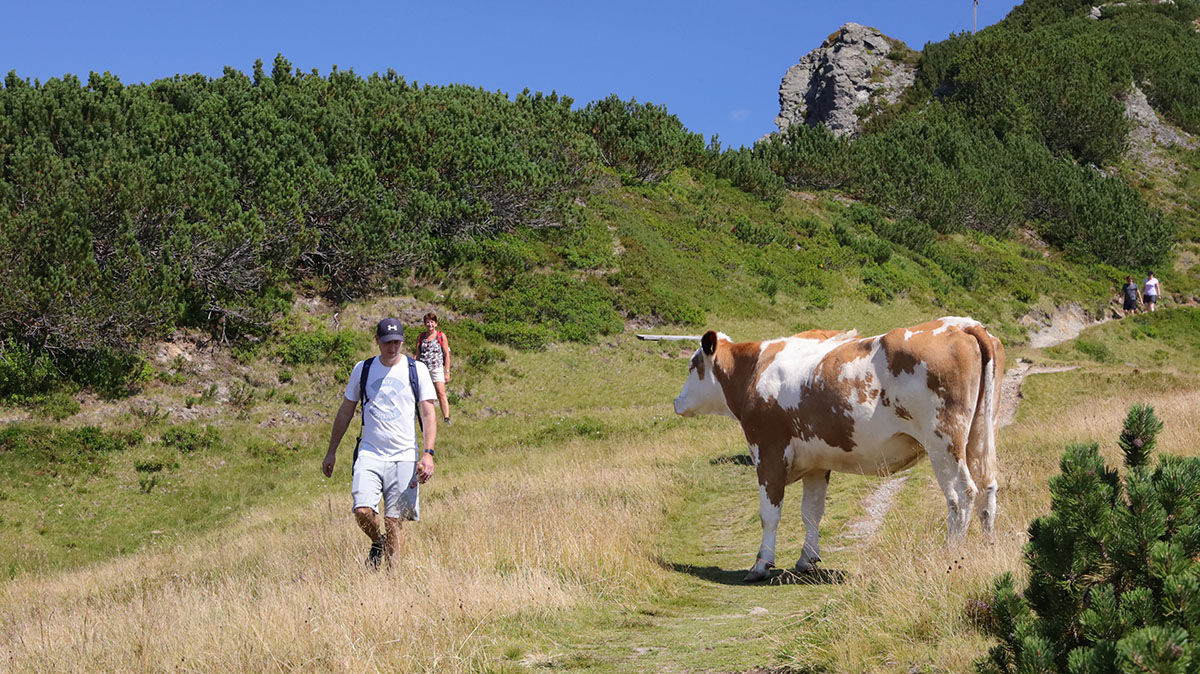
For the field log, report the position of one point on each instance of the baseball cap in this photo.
(389, 330)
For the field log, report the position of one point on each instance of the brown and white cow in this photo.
(824, 400)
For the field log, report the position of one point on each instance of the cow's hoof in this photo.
(807, 565)
(756, 575)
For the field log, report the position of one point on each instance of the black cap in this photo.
(389, 330)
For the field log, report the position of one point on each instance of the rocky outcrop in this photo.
(844, 81)
(1149, 135)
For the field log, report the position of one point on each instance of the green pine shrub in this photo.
(1113, 572)
(189, 439)
(80, 451)
(642, 141)
(321, 346)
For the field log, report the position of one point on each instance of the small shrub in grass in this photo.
(1114, 581)
(84, 450)
(188, 439)
(759, 235)
(870, 246)
(147, 471)
(1094, 350)
(567, 428)
(321, 346)
(484, 357)
(58, 405)
(517, 335)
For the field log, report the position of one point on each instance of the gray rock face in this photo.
(1149, 135)
(843, 82)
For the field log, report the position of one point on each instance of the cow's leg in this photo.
(957, 487)
(770, 507)
(985, 503)
(772, 477)
(812, 508)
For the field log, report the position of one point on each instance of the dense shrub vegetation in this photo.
(1008, 127)
(1113, 583)
(126, 211)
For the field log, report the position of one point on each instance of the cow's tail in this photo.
(981, 445)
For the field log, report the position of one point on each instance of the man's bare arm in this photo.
(341, 422)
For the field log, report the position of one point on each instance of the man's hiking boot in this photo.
(375, 556)
(446, 420)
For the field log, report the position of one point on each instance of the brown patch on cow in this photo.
(699, 364)
(903, 413)
(824, 412)
(768, 356)
(952, 362)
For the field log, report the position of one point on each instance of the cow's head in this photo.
(702, 393)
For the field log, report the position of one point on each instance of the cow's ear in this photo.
(709, 342)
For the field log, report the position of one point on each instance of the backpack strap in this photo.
(362, 399)
(416, 391)
(441, 337)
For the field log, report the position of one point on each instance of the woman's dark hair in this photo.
(429, 316)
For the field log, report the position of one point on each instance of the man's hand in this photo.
(425, 468)
(327, 464)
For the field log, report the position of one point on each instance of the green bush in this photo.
(24, 371)
(518, 335)
(81, 451)
(189, 439)
(546, 306)
(58, 405)
(643, 141)
(876, 249)
(1094, 350)
(1113, 571)
(321, 346)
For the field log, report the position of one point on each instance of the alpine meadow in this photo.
(193, 266)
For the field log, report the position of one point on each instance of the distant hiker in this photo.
(385, 458)
(1150, 290)
(433, 350)
(1130, 293)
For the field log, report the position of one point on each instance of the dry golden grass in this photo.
(285, 590)
(508, 541)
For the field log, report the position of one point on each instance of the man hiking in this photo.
(393, 389)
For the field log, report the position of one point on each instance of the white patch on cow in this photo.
(908, 334)
(955, 322)
(794, 366)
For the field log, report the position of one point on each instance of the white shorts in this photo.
(394, 481)
(438, 375)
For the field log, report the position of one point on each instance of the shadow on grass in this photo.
(716, 574)
(733, 460)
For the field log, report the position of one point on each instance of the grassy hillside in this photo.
(164, 480)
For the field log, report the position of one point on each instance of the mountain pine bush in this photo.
(1114, 582)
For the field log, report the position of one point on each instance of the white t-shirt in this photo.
(1150, 287)
(389, 419)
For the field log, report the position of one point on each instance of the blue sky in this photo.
(716, 65)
